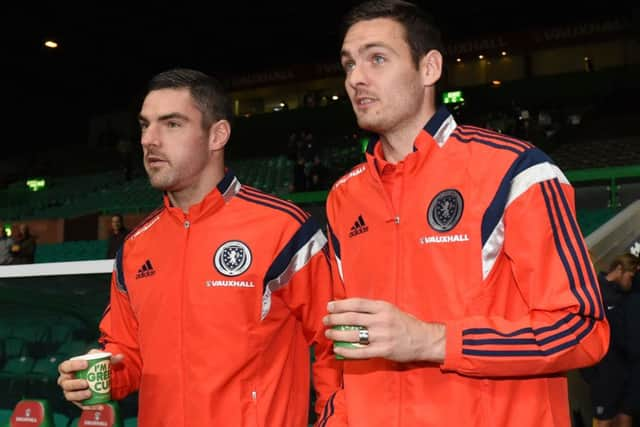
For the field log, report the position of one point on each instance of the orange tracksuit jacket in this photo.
(215, 311)
(483, 239)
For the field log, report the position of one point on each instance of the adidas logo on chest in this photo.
(146, 270)
(359, 227)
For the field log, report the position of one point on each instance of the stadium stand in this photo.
(40, 325)
(35, 412)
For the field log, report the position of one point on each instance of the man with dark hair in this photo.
(217, 296)
(632, 342)
(117, 235)
(456, 250)
(609, 379)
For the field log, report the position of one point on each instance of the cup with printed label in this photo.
(98, 375)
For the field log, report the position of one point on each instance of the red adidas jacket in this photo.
(484, 239)
(215, 311)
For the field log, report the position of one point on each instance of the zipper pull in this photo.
(396, 220)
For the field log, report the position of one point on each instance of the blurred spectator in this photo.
(309, 100)
(23, 249)
(317, 175)
(609, 378)
(588, 64)
(632, 335)
(124, 147)
(299, 176)
(118, 233)
(309, 148)
(293, 148)
(5, 248)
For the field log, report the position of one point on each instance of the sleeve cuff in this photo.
(453, 359)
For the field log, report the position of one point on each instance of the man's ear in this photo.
(219, 134)
(431, 67)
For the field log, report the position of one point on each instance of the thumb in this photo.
(118, 358)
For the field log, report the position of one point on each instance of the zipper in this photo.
(398, 296)
(187, 225)
(254, 411)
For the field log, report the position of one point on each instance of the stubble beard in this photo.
(160, 180)
(372, 121)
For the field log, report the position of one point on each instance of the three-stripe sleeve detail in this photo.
(572, 328)
(297, 253)
(328, 411)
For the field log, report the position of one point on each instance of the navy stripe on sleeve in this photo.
(535, 352)
(572, 250)
(496, 208)
(577, 235)
(486, 142)
(273, 199)
(301, 238)
(271, 204)
(334, 241)
(522, 341)
(329, 409)
(558, 216)
(480, 331)
(493, 135)
(120, 283)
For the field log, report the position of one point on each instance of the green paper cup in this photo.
(346, 344)
(98, 375)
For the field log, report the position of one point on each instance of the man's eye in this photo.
(173, 124)
(378, 59)
(348, 66)
(144, 126)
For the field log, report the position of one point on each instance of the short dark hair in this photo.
(421, 32)
(627, 261)
(209, 95)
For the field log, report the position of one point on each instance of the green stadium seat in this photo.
(17, 367)
(108, 415)
(5, 414)
(13, 378)
(46, 367)
(35, 335)
(72, 348)
(37, 409)
(32, 332)
(14, 347)
(6, 329)
(60, 420)
(60, 332)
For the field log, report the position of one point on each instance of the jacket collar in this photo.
(435, 132)
(223, 193)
